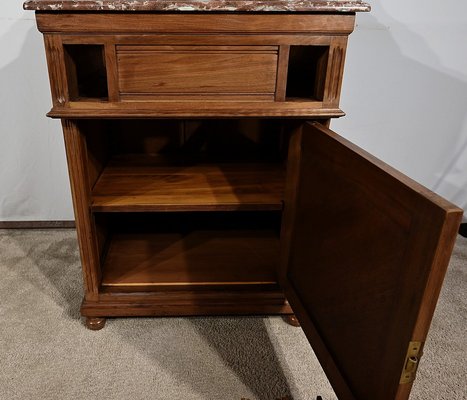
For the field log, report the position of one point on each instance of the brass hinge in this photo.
(414, 353)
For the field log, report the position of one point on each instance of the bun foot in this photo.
(95, 323)
(292, 320)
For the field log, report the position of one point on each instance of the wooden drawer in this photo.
(197, 71)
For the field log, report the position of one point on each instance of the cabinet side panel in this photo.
(335, 71)
(57, 70)
(96, 137)
(77, 167)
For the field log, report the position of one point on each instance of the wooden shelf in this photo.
(209, 258)
(194, 109)
(145, 184)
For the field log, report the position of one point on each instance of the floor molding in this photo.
(36, 224)
(71, 224)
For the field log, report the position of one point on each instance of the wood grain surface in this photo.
(364, 259)
(144, 184)
(195, 109)
(197, 69)
(75, 146)
(102, 22)
(186, 303)
(197, 259)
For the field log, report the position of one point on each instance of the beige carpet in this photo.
(46, 353)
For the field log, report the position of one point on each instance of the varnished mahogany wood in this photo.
(96, 146)
(365, 254)
(233, 70)
(195, 109)
(189, 264)
(75, 146)
(167, 73)
(156, 97)
(197, 49)
(102, 22)
(57, 70)
(195, 259)
(200, 39)
(143, 183)
(331, 77)
(112, 71)
(187, 303)
(282, 67)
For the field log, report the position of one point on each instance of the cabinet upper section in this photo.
(266, 6)
(106, 64)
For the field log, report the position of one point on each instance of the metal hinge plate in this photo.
(414, 352)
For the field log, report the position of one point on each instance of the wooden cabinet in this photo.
(206, 181)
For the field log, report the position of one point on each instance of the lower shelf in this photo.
(145, 183)
(200, 263)
(197, 259)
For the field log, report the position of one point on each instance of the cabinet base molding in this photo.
(183, 304)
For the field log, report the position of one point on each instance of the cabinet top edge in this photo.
(257, 6)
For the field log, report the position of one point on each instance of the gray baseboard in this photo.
(71, 225)
(36, 224)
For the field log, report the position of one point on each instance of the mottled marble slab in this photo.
(199, 5)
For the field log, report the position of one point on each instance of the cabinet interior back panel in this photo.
(192, 259)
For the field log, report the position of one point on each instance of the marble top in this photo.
(199, 5)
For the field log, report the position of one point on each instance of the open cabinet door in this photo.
(365, 250)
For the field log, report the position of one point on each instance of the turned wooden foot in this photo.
(292, 320)
(95, 323)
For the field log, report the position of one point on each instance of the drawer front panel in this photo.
(197, 70)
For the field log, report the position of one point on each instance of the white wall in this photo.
(405, 91)
(405, 94)
(33, 175)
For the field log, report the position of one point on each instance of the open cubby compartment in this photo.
(86, 72)
(188, 251)
(306, 73)
(186, 165)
